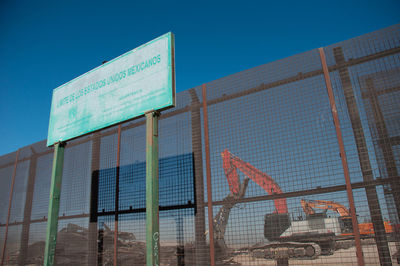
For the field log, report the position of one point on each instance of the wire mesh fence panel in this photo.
(72, 237)
(176, 237)
(366, 83)
(177, 196)
(373, 246)
(13, 245)
(75, 189)
(175, 188)
(132, 233)
(6, 180)
(201, 244)
(107, 173)
(132, 192)
(6, 173)
(36, 207)
(72, 242)
(2, 236)
(13, 242)
(36, 243)
(19, 192)
(41, 195)
(106, 199)
(106, 236)
(266, 76)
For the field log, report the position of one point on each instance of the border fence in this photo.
(301, 153)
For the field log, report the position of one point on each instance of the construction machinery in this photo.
(309, 206)
(366, 229)
(287, 238)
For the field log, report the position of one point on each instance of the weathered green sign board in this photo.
(132, 84)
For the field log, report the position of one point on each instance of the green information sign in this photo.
(132, 84)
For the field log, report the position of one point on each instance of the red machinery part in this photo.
(231, 163)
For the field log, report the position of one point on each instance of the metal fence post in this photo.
(388, 155)
(384, 142)
(28, 209)
(54, 204)
(152, 208)
(117, 197)
(93, 256)
(356, 231)
(200, 227)
(209, 185)
(365, 164)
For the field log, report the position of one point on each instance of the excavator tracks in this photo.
(278, 250)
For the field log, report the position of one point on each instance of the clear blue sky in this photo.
(44, 44)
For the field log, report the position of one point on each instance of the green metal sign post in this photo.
(152, 218)
(54, 204)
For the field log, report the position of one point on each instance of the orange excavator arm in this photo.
(306, 207)
(231, 163)
(309, 206)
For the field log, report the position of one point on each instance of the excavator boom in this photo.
(309, 205)
(231, 163)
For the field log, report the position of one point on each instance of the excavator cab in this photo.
(275, 224)
(346, 224)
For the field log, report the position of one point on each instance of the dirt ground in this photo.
(72, 249)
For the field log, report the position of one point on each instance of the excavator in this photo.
(366, 229)
(309, 206)
(304, 239)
